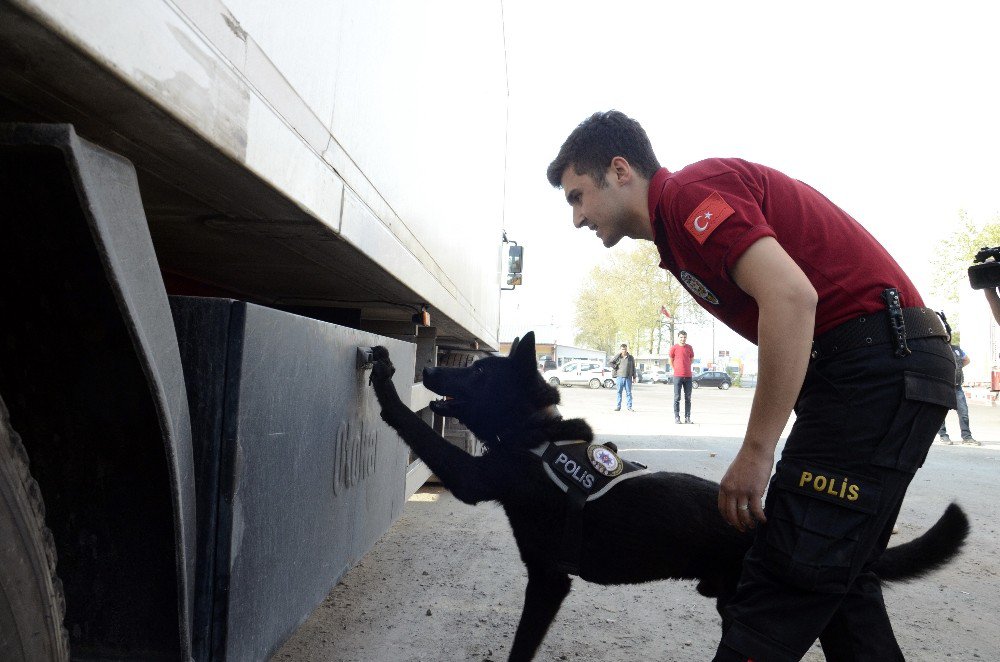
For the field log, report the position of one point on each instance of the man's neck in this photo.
(641, 227)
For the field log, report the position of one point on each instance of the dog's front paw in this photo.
(382, 368)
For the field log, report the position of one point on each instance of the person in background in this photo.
(681, 356)
(624, 374)
(961, 360)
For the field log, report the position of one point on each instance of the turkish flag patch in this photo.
(707, 216)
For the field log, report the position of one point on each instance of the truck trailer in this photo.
(209, 207)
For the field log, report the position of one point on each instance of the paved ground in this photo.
(446, 583)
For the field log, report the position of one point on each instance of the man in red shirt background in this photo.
(867, 368)
(681, 356)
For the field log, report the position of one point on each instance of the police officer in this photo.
(865, 366)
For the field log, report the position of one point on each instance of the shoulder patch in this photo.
(707, 216)
(699, 288)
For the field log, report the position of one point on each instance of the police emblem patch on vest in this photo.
(589, 468)
(604, 460)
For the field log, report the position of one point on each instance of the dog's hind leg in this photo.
(458, 471)
(546, 590)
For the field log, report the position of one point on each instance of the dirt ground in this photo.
(445, 582)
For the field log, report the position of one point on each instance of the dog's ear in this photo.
(523, 353)
(513, 347)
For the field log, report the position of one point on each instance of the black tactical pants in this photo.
(682, 384)
(865, 421)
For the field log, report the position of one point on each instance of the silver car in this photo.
(580, 373)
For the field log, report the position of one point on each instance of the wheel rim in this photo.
(724, 386)
(595, 383)
(554, 381)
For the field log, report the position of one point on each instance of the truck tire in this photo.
(32, 605)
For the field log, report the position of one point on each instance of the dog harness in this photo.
(585, 471)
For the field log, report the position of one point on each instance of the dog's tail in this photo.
(938, 545)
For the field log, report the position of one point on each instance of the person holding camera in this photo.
(984, 274)
(993, 299)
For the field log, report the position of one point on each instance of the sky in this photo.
(887, 108)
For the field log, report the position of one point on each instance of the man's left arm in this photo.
(786, 301)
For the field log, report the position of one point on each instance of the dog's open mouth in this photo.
(448, 407)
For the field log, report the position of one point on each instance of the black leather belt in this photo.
(875, 329)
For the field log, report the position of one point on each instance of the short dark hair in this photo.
(625, 345)
(600, 138)
(683, 333)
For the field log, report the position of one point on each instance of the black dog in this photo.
(654, 526)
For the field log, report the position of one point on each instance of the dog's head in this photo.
(494, 395)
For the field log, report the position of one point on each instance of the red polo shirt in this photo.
(681, 357)
(706, 215)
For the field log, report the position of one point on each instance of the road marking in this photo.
(663, 450)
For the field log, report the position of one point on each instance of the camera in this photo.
(985, 271)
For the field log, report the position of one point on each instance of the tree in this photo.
(621, 302)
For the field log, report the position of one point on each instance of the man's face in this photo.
(624, 351)
(602, 209)
(682, 339)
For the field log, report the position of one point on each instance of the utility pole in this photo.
(713, 342)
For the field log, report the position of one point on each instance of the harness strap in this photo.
(569, 557)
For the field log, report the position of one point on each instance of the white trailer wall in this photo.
(383, 120)
(414, 95)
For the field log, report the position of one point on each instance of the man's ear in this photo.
(523, 353)
(620, 170)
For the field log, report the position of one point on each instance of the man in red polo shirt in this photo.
(865, 365)
(681, 356)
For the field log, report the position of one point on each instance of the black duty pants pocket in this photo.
(817, 516)
(926, 401)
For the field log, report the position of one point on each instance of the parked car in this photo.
(712, 378)
(545, 363)
(654, 377)
(579, 373)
